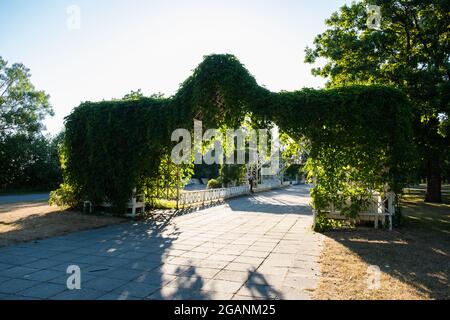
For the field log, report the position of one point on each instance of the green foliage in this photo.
(206, 171)
(358, 132)
(293, 170)
(167, 180)
(214, 184)
(232, 174)
(410, 52)
(22, 107)
(133, 95)
(64, 196)
(163, 204)
(29, 162)
(323, 224)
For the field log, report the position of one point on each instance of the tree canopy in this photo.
(22, 107)
(28, 159)
(411, 51)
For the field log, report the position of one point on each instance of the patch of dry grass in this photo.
(414, 260)
(37, 220)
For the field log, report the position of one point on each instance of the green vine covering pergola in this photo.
(359, 136)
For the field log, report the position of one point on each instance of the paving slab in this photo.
(255, 247)
(13, 286)
(81, 294)
(43, 275)
(137, 290)
(43, 290)
(104, 284)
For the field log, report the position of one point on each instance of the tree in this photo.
(27, 159)
(22, 107)
(29, 162)
(410, 50)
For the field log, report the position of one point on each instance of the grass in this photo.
(414, 259)
(164, 204)
(419, 190)
(20, 222)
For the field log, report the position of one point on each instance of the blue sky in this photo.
(153, 45)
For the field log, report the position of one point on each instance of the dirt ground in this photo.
(414, 259)
(21, 222)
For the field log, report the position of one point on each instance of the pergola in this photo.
(360, 136)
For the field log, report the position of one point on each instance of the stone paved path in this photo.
(256, 247)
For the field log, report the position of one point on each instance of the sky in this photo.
(93, 50)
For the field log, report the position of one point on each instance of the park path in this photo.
(254, 247)
(24, 197)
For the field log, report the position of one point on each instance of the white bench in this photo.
(135, 205)
(378, 210)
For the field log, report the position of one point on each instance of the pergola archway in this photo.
(360, 135)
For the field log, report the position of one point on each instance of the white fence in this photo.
(378, 210)
(196, 197)
(202, 196)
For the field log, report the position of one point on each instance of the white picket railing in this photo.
(202, 196)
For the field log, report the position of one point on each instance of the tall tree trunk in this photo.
(433, 193)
